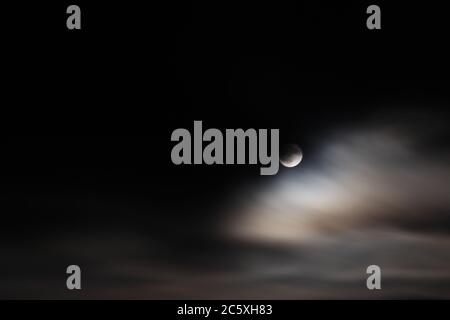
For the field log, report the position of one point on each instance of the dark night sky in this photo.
(86, 176)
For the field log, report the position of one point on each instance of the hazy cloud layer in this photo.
(377, 194)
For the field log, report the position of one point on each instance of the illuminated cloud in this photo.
(368, 178)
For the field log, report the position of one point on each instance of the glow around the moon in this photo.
(291, 156)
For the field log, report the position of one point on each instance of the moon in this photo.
(291, 155)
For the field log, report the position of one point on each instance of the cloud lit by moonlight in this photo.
(364, 178)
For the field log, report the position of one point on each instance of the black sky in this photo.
(87, 116)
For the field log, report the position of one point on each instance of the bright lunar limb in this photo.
(291, 155)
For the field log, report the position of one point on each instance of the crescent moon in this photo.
(293, 157)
